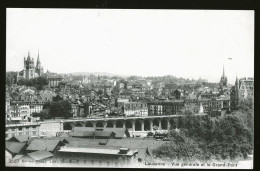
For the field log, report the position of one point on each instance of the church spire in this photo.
(28, 54)
(38, 63)
(223, 72)
(38, 58)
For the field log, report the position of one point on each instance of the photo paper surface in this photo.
(124, 88)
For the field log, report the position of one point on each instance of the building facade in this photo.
(244, 88)
(30, 129)
(134, 108)
(54, 81)
(165, 107)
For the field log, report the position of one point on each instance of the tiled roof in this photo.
(43, 144)
(103, 133)
(82, 134)
(80, 142)
(14, 147)
(94, 151)
(18, 156)
(39, 155)
(119, 132)
(20, 138)
(133, 143)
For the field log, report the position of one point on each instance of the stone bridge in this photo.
(143, 123)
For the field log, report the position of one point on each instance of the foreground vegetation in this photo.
(206, 138)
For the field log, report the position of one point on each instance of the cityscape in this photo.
(103, 119)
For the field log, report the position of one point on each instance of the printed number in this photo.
(12, 161)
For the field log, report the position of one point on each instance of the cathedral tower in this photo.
(29, 70)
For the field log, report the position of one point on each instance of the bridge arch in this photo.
(164, 123)
(110, 124)
(156, 122)
(128, 124)
(88, 124)
(78, 124)
(119, 124)
(138, 125)
(99, 124)
(147, 125)
(67, 126)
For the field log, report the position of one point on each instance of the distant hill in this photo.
(95, 73)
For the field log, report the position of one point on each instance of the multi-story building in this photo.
(30, 129)
(134, 108)
(215, 106)
(24, 112)
(165, 107)
(243, 88)
(53, 81)
(34, 106)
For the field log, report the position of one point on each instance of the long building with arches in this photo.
(145, 123)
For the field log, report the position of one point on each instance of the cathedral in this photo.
(30, 71)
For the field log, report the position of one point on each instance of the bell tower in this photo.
(29, 67)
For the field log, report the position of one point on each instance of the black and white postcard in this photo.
(129, 88)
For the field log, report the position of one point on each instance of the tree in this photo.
(180, 147)
(189, 109)
(40, 82)
(21, 82)
(47, 105)
(9, 79)
(246, 103)
(61, 108)
(44, 114)
(99, 92)
(204, 138)
(57, 98)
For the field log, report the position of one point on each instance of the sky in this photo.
(183, 43)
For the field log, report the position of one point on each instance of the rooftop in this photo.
(43, 144)
(39, 155)
(95, 151)
(14, 147)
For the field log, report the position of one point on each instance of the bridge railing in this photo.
(110, 118)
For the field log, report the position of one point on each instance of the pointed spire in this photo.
(28, 54)
(38, 58)
(236, 79)
(223, 72)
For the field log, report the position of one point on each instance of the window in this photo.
(20, 128)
